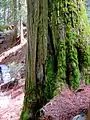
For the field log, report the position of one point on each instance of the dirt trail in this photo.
(10, 109)
(11, 101)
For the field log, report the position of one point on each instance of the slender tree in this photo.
(15, 18)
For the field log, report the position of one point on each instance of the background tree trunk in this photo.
(15, 19)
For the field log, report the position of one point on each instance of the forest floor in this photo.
(62, 107)
(67, 105)
(11, 101)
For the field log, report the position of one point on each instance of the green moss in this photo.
(50, 80)
(72, 72)
(61, 64)
(25, 115)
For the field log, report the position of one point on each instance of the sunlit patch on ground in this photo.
(10, 109)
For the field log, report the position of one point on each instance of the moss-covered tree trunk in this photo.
(56, 54)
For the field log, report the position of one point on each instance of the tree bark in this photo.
(37, 52)
(53, 57)
(15, 19)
